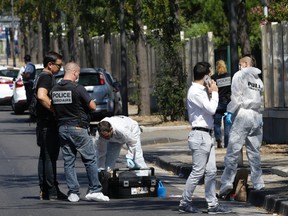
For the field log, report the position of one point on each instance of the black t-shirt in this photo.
(47, 81)
(71, 102)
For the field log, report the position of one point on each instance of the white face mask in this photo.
(77, 80)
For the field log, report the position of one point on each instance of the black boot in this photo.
(219, 144)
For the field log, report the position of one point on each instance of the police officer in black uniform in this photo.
(72, 105)
(28, 78)
(223, 81)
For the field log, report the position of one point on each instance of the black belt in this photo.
(203, 129)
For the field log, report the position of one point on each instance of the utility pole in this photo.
(265, 4)
(12, 32)
(124, 91)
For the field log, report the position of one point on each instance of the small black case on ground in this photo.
(124, 183)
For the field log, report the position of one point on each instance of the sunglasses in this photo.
(58, 65)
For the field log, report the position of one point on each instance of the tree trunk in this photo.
(107, 54)
(107, 39)
(22, 40)
(45, 33)
(60, 45)
(124, 89)
(243, 29)
(72, 41)
(71, 47)
(141, 60)
(59, 36)
(87, 47)
(174, 11)
(144, 78)
(232, 5)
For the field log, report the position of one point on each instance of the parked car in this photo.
(19, 102)
(7, 78)
(103, 88)
(116, 90)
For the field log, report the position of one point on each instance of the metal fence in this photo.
(194, 50)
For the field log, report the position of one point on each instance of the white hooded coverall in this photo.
(125, 131)
(246, 106)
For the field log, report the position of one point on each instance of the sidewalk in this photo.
(167, 148)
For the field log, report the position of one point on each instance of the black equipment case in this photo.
(124, 183)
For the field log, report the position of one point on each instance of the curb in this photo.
(160, 140)
(272, 200)
(275, 200)
(149, 129)
(280, 170)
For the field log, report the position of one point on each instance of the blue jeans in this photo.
(72, 140)
(218, 117)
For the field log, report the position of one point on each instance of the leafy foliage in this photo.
(277, 12)
(171, 78)
(206, 16)
(170, 90)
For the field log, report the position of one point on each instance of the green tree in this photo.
(201, 17)
(28, 16)
(171, 78)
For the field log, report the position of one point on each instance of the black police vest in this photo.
(69, 109)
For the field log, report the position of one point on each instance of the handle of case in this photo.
(129, 169)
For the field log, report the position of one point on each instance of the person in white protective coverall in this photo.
(113, 133)
(244, 113)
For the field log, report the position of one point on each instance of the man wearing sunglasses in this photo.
(46, 129)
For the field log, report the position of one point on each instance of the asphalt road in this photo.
(19, 191)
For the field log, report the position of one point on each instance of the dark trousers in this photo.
(218, 117)
(47, 140)
(29, 92)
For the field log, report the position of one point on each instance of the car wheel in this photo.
(118, 108)
(17, 109)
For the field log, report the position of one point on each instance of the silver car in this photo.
(103, 89)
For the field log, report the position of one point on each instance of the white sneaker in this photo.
(97, 196)
(73, 197)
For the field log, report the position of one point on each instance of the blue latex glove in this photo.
(228, 116)
(130, 163)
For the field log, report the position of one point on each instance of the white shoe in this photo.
(97, 196)
(73, 197)
(259, 187)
